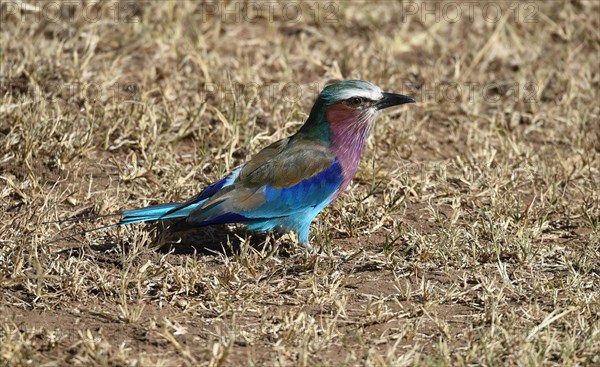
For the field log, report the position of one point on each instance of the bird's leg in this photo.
(303, 238)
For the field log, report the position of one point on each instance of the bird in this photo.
(287, 184)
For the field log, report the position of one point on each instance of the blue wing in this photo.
(306, 194)
(301, 179)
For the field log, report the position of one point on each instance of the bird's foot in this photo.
(309, 249)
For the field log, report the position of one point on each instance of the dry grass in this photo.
(470, 235)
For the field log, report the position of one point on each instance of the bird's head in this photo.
(357, 101)
(351, 106)
(361, 95)
(342, 117)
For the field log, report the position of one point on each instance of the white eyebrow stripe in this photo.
(374, 94)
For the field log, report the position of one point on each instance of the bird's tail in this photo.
(155, 212)
(141, 215)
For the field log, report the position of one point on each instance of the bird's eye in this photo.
(355, 101)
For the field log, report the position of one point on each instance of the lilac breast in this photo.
(349, 131)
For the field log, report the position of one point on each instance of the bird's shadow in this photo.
(218, 239)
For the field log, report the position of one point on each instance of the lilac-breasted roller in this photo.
(287, 184)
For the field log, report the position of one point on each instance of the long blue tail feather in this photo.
(156, 212)
(147, 214)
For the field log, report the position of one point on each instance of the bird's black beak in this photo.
(392, 99)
